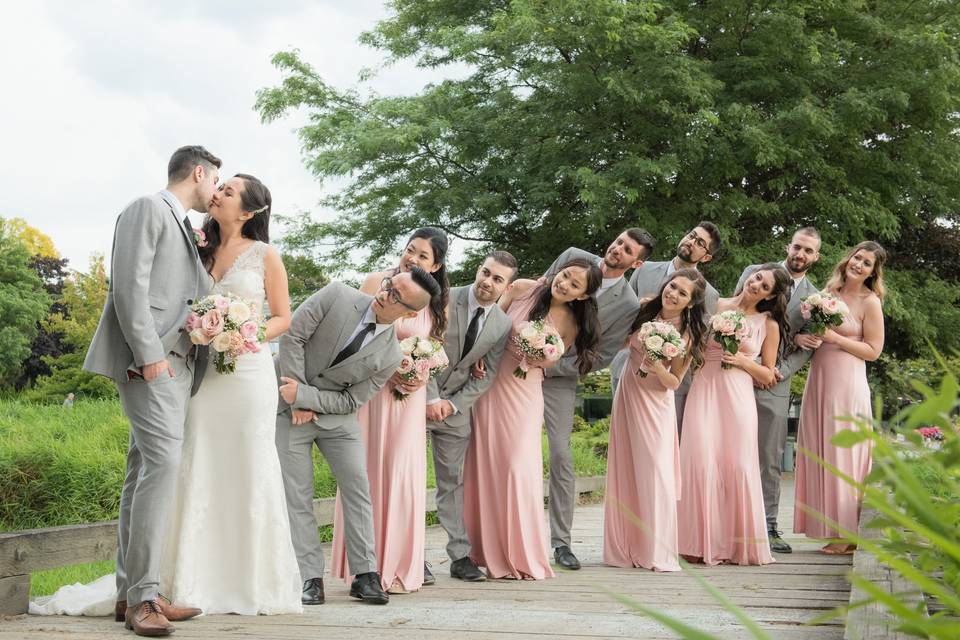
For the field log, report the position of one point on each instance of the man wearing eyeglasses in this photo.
(339, 351)
(698, 247)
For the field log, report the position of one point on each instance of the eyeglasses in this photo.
(697, 240)
(387, 285)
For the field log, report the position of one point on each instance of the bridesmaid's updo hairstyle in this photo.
(584, 312)
(693, 318)
(256, 199)
(438, 303)
(776, 305)
(874, 282)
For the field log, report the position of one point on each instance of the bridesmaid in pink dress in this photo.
(720, 513)
(837, 386)
(643, 465)
(395, 436)
(503, 470)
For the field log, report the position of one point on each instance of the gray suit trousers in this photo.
(344, 451)
(771, 440)
(449, 446)
(157, 411)
(559, 399)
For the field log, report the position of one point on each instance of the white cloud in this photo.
(98, 94)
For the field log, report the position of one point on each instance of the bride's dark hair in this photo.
(255, 198)
(692, 319)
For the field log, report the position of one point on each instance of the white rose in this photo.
(529, 332)
(407, 345)
(814, 300)
(239, 312)
(222, 342)
(653, 343)
(197, 336)
(424, 348)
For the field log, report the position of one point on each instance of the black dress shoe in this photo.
(428, 577)
(467, 570)
(565, 558)
(312, 591)
(777, 544)
(366, 587)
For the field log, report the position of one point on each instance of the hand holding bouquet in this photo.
(423, 359)
(660, 341)
(230, 325)
(822, 311)
(536, 340)
(729, 329)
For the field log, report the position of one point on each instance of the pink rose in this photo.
(670, 350)
(212, 323)
(728, 326)
(193, 321)
(550, 352)
(742, 333)
(538, 341)
(830, 305)
(249, 329)
(422, 368)
(805, 310)
(406, 365)
(221, 304)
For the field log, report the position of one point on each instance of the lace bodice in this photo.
(244, 278)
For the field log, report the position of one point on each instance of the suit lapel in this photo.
(346, 330)
(462, 311)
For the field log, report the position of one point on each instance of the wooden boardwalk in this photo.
(781, 597)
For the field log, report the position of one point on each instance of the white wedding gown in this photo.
(228, 548)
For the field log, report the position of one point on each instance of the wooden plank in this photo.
(14, 594)
(874, 621)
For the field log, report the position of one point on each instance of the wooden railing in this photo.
(24, 552)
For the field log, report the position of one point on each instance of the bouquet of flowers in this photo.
(660, 341)
(823, 310)
(537, 340)
(729, 329)
(230, 325)
(423, 359)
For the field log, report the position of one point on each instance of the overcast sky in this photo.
(96, 95)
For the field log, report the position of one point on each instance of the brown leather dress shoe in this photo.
(174, 613)
(120, 611)
(145, 619)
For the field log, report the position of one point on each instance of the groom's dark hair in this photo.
(186, 158)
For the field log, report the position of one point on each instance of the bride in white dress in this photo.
(228, 548)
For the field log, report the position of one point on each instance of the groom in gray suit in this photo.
(773, 402)
(340, 350)
(616, 305)
(155, 275)
(478, 330)
(698, 247)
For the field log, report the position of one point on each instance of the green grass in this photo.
(44, 583)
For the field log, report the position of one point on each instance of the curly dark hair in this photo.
(584, 312)
(692, 319)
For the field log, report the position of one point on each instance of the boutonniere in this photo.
(199, 238)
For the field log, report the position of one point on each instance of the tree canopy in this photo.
(23, 303)
(576, 119)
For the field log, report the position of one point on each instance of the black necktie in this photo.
(355, 344)
(472, 332)
(189, 228)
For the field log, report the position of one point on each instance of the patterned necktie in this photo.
(472, 332)
(355, 344)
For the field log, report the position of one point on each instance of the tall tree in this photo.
(23, 303)
(579, 118)
(51, 272)
(37, 242)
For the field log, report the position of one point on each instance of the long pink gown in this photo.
(643, 473)
(837, 386)
(395, 436)
(503, 471)
(721, 514)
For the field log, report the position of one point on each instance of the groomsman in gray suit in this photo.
(155, 275)
(696, 248)
(478, 331)
(617, 305)
(773, 402)
(340, 350)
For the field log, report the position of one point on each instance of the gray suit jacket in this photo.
(455, 382)
(155, 275)
(319, 330)
(646, 282)
(617, 307)
(795, 358)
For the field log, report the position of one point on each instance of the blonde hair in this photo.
(874, 282)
